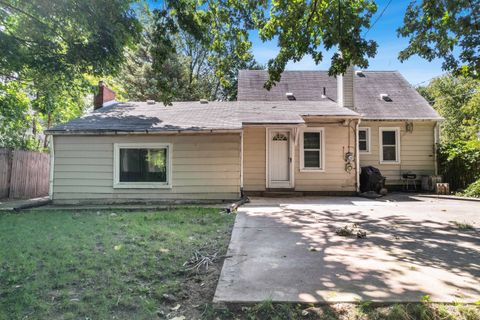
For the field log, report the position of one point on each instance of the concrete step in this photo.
(282, 194)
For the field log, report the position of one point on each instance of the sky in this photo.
(416, 70)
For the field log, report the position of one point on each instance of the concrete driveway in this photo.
(287, 250)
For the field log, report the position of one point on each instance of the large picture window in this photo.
(142, 165)
(364, 140)
(389, 145)
(312, 150)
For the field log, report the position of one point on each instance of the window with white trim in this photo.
(389, 145)
(312, 150)
(142, 165)
(364, 140)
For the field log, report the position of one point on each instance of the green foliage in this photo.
(197, 49)
(438, 29)
(48, 49)
(457, 99)
(17, 122)
(473, 190)
(58, 101)
(459, 163)
(306, 27)
(65, 36)
(28, 108)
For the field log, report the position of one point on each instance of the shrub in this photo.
(459, 163)
(473, 190)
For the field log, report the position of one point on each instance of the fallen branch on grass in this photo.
(201, 261)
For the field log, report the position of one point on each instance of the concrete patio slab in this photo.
(287, 250)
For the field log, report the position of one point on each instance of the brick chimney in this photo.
(345, 88)
(104, 97)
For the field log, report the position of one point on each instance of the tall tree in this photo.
(218, 28)
(449, 30)
(173, 64)
(50, 46)
(457, 99)
(307, 27)
(67, 36)
(16, 117)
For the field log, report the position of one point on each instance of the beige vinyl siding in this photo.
(254, 165)
(335, 178)
(416, 150)
(204, 167)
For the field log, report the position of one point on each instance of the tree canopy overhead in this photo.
(70, 36)
(303, 27)
(436, 29)
(53, 50)
(457, 99)
(212, 34)
(309, 26)
(449, 30)
(48, 48)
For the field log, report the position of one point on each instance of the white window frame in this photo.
(367, 130)
(322, 149)
(397, 145)
(139, 185)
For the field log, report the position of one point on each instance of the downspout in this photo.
(52, 168)
(357, 157)
(241, 164)
(436, 135)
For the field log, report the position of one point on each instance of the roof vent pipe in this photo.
(324, 94)
(290, 96)
(360, 73)
(385, 97)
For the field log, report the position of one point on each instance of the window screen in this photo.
(363, 137)
(312, 150)
(389, 145)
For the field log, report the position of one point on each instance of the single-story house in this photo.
(309, 134)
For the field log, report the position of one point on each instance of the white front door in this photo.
(279, 160)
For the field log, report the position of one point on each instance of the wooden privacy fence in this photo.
(23, 174)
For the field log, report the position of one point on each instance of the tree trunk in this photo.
(49, 125)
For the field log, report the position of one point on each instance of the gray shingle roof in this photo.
(194, 116)
(406, 103)
(256, 105)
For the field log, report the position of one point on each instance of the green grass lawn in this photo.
(130, 265)
(104, 265)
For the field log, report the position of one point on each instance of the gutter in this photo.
(143, 132)
(275, 124)
(403, 119)
(241, 164)
(334, 116)
(436, 135)
(357, 157)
